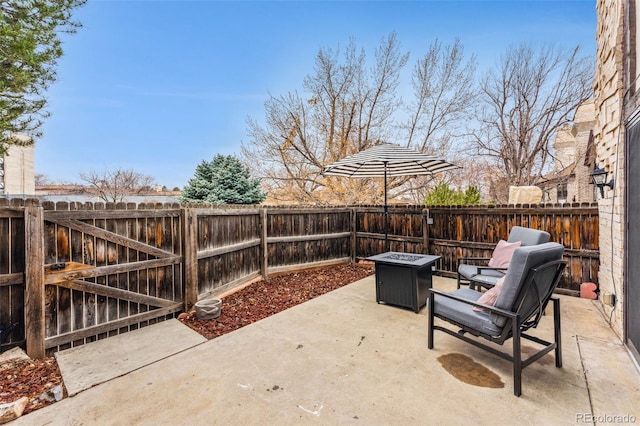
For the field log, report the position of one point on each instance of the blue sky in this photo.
(159, 86)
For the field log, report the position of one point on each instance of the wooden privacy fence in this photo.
(233, 246)
(71, 273)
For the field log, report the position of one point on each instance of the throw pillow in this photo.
(502, 254)
(490, 296)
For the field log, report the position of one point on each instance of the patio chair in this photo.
(474, 271)
(532, 276)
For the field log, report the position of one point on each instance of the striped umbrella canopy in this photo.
(387, 160)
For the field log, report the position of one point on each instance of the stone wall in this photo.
(609, 141)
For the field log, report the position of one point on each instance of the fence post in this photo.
(425, 230)
(34, 281)
(263, 243)
(190, 256)
(354, 236)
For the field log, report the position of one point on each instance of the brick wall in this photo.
(609, 139)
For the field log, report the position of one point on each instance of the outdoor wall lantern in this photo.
(599, 177)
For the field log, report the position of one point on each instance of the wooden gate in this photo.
(108, 271)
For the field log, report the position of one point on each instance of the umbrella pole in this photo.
(386, 211)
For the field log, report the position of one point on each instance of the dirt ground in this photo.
(35, 378)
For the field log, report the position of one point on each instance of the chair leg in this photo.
(460, 282)
(517, 358)
(431, 319)
(557, 331)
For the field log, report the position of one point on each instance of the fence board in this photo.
(106, 327)
(115, 293)
(5, 246)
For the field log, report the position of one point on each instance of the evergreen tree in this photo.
(472, 195)
(30, 47)
(442, 195)
(224, 180)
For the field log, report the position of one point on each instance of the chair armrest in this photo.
(472, 259)
(490, 308)
(490, 268)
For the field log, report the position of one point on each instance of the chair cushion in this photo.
(488, 277)
(528, 236)
(502, 254)
(463, 313)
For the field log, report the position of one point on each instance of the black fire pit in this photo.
(403, 279)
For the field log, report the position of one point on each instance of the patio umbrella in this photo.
(387, 160)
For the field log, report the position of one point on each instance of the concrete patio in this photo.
(344, 359)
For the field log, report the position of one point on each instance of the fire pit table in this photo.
(403, 279)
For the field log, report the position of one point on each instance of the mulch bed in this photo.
(264, 298)
(33, 378)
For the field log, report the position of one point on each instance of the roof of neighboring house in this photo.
(557, 176)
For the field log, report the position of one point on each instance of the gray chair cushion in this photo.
(463, 313)
(528, 236)
(488, 276)
(524, 258)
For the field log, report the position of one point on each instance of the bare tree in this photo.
(531, 94)
(343, 111)
(347, 108)
(115, 185)
(444, 91)
(42, 179)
